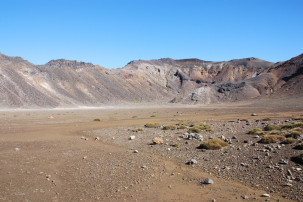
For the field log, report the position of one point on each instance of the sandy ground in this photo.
(44, 158)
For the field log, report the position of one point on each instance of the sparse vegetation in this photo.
(200, 126)
(243, 119)
(182, 123)
(169, 127)
(213, 144)
(256, 131)
(267, 139)
(298, 118)
(293, 134)
(289, 140)
(177, 144)
(153, 115)
(182, 127)
(266, 119)
(152, 125)
(140, 129)
(135, 116)
(299, 146)
(97, 119)
(271, 127)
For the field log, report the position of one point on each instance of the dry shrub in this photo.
(298, 118)
(182, 123)
(267, 139)
(202, 126)
(152, 125)
(271, 127)
(266, 119)
(169, 127)
(289, 140)
(293, 134)
(194, 130)
(213, 144)
(97, 119)
(256, 131)
(182, 127)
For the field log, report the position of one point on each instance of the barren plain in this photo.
(67, 155)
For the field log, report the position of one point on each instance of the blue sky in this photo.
(113, 32)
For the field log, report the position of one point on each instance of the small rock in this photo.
(132, 137)
(169, 186)
(17, 149)
(157, 141)
(144, 166)
(267, 154)
(168, 149)
(245, 197)
(192, 161)
(253, 114)
(208, 181)
(85, 157)
(282, 161)
(265, 195)
(136, 151)
(256, 136)
(48, 176)
(82, 138)
(50, 117)
(97, 138)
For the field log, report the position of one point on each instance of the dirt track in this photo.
(55, 164)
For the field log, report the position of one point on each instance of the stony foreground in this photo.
(69, 155)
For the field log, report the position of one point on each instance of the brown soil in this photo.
(55, 164)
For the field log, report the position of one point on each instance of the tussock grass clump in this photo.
(256, 131)
(169, 127)
(243, 119)
(201, 126)
(299, 146)
(182, 127)
(293, 134)
(176, 144)
(298, 159)
(267, 139)
(194, 130)
(152, 125)
(266, 119)
(135, 116)
(298, 118)
(213, 144)
(182, 123)
(297, 130)
(153, 115)
(271, 127)
(292, 125)
(97, 119)
(289, 140)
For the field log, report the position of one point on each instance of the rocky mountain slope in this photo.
(64, 83)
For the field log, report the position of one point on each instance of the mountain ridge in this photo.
(69, 83)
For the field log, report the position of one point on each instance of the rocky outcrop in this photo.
(62, 83)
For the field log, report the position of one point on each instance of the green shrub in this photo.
(152, 125)
(169, 127)
(289, 140)
(298, 159)
(213, 144)
(299, 146)
(97, 119)
(256, 131)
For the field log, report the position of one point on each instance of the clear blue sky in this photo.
(113, 32)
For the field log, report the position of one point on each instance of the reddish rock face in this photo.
(71, 83)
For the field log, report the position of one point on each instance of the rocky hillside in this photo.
(63, 83)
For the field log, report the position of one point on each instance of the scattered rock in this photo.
(192, 161)
(208, 181)
(157, 141)
(282, 161)
(265, 195)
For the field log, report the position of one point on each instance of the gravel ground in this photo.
(257, 165)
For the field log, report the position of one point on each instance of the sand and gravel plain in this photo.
(53, 155)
